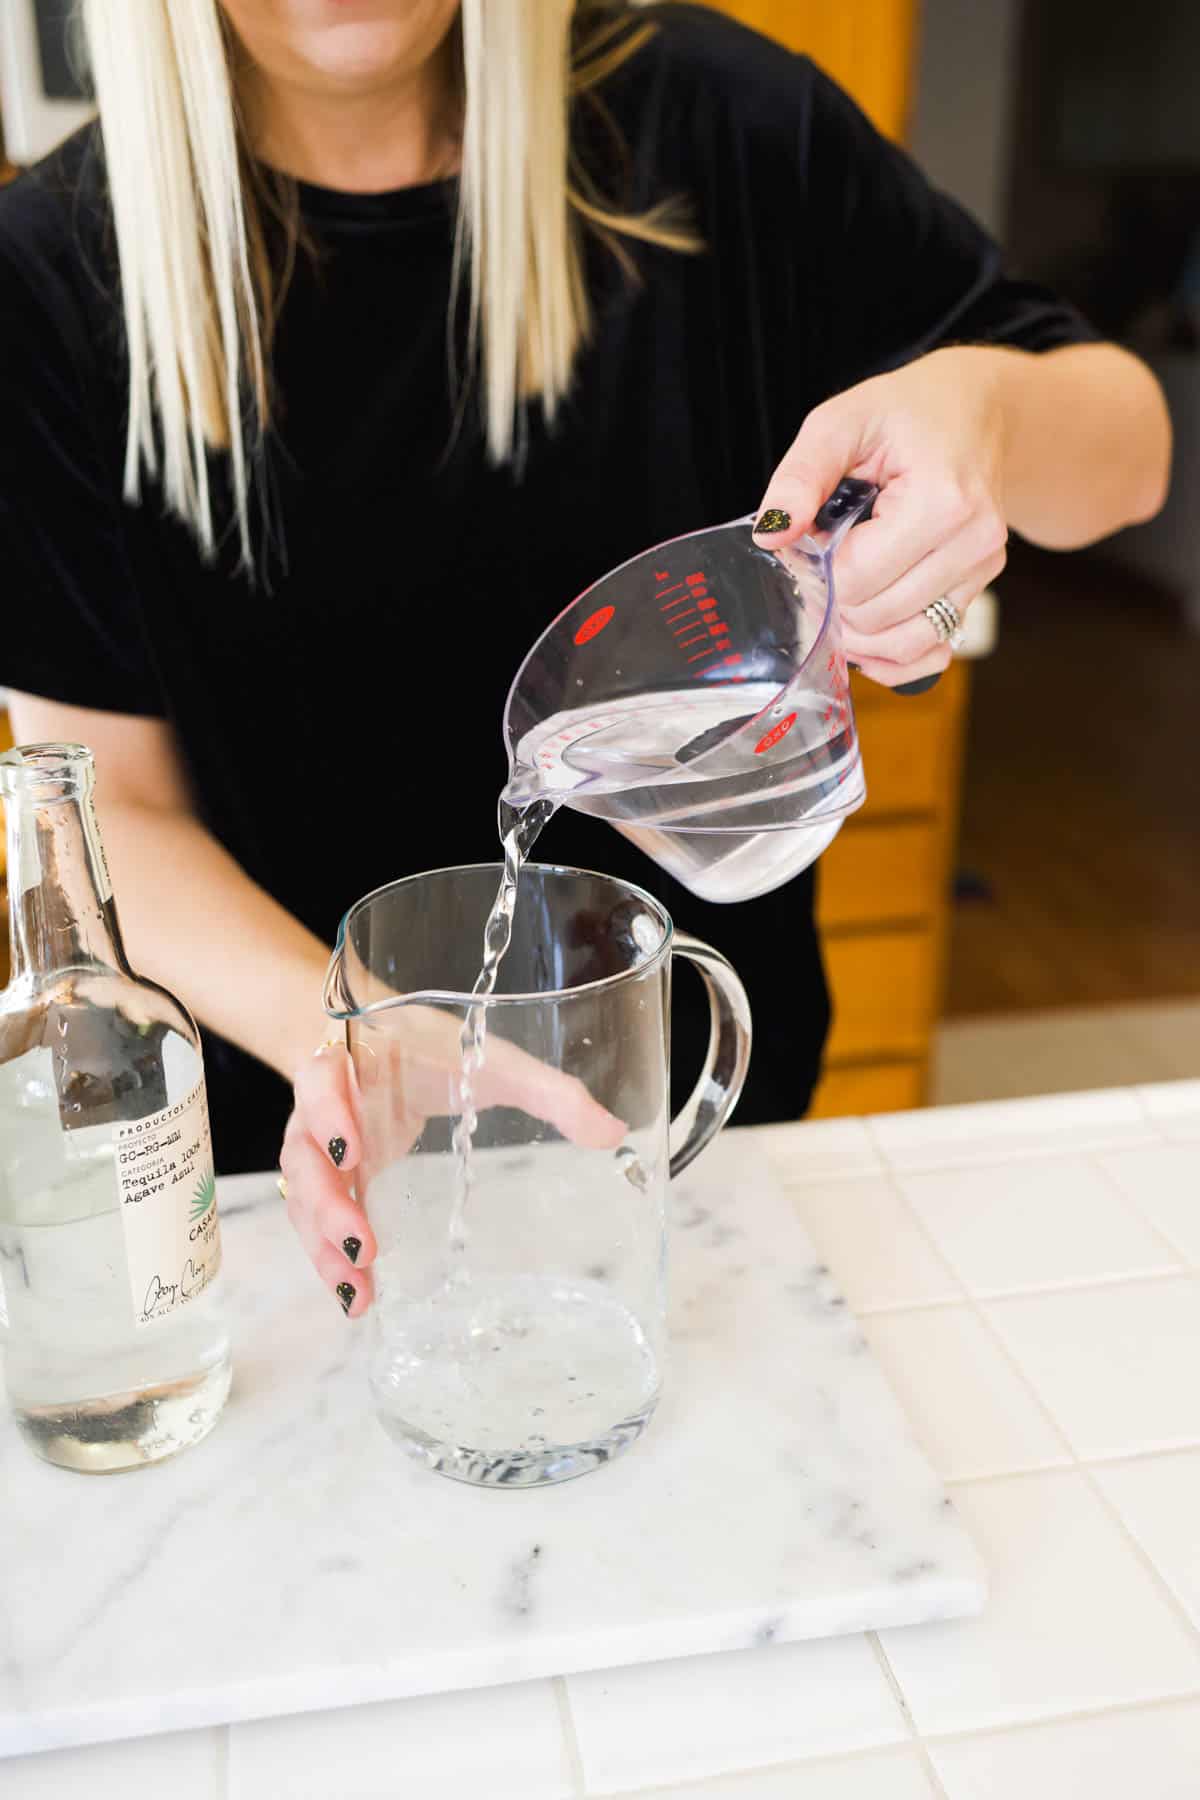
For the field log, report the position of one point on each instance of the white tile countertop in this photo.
(1027, 1274)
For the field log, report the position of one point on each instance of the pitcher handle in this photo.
(715, 1094)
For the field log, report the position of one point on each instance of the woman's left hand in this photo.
(931, 437)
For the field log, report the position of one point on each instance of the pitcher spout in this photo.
(336, 996)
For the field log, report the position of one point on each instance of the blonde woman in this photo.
(354, 342)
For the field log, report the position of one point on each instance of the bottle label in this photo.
(91, 831)
(168, 1202)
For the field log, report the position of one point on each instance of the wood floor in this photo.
(1081, 808)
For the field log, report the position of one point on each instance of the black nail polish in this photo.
(337, 1151)
(346, 1291)
(774, 519)
(352, 1246)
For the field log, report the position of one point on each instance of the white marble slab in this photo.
(297, 1561)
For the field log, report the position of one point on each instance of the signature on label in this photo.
(161, 1296)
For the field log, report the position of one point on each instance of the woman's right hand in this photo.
(322, 1146)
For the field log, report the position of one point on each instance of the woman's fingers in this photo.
(324, 1098)
(915, 636)
(330, 1224)
(891, 674)
(967, 558)
(511, 1077)
(426, 1073)
(827, 447)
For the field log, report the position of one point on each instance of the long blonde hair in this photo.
(196, 291)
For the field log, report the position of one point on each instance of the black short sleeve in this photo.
(72, 629)
(898, 267)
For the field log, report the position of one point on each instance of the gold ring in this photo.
(281, 1184)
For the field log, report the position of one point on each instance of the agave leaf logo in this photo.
(204, 1195)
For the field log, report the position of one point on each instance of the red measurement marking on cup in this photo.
(693, 614)
(594, 624)
(773, 736)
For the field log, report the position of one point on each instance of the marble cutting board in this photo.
(296, 1560)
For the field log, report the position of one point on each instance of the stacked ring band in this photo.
(946, 620)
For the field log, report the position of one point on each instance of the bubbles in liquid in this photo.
(633, 1168)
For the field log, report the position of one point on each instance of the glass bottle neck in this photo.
(60, 907)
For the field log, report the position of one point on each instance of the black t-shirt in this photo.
(340, 721)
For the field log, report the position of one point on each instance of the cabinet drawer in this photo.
(877, 873)
(905, 764)
(869, 1088)
(883, 986)
(910, 744)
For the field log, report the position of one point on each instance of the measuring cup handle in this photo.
(855, 500)
(715, 1094)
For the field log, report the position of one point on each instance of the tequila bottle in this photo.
(116, 1353)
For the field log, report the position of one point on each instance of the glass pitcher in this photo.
(518, 1332)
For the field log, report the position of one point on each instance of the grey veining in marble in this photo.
(296, 1560)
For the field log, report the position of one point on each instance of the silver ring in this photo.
(946, 620)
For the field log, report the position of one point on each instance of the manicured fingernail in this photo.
(774, 519)
(337, 1151)
(352, 1246)
(345, 1291)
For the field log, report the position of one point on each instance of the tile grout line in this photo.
(999, 1151)
(1047, 1291)
(1139, 1212)
(915, 1739)
(971, 1159)
(570, 1737)
(695, 1787)
(1158, 1580)
(1159, 1576)
(990, 1332)
(1080, 1715)
(1084, 1469)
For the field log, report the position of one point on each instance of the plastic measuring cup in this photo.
(697, 699)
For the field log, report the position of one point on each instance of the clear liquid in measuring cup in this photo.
(730, 812)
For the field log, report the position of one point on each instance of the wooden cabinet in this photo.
(867, 46)
(885, 881)
(884, 898)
